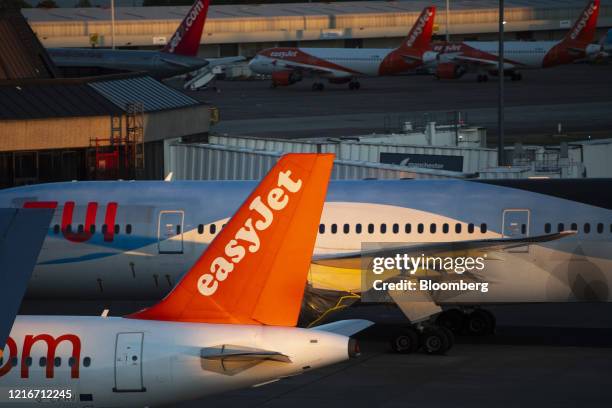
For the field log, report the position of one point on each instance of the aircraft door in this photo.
(128, 363)
(516, 225)
(170, 232)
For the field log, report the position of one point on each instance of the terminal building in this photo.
(245, 29)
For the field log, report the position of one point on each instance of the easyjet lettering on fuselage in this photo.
(283, 54)
(276, 200)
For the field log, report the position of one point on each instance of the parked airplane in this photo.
(132, 240)
(453, 60)
(179, 56)
(226, 324)
(288, 65)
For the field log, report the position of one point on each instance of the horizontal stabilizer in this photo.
(345, 327)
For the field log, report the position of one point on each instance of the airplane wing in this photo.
(353, 260)
(214, 62)
(480, 62)
(22, 232)
(184, 65)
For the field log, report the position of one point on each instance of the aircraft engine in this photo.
(448, 70)
(429, 57)
(285, 78)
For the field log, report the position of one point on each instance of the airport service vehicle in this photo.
(453, 60)
(226, 325)
(129, 240)
(177, 57)
(288, 65)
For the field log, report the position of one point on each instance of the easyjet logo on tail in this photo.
(583, 21)
(418, 28)
(247, 238)
(191, 17)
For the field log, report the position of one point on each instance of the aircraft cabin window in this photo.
(408, 228)
(178, 230)
(71, 362)
(104, 229)
(116, 228)
(483, 228)
(92, 229)
(574, 226)
(458, 228)
(28, 361)
(334, 228)
(321, 228)
(213, 229)
(383, 228)
(432, 228)
(560, 227)
(57, 362)
(547, 227)
(14, 361)
(523, 229)
(445, 228)
(587, 228)
(42, 362)
(56, 229)
(346, 228)
(600, 228)
(370, 228)
(420, 228)
(470, 228)
(86, 362)
(200, 228)
(395, 228)
(80, 229)
(358, 228)
(128, 229)
(68, 228)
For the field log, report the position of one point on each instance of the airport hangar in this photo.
(245, 29)
(54, 128)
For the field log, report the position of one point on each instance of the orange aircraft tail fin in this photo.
(254, 271)
(419, 36)
(585, 26)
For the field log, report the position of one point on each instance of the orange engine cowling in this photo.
(285, 78)
(448, 70)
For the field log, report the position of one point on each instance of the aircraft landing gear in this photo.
(516, 76)
(354, 85)
(431, 339)
(318, 86)
(477, 322)
(482, 78)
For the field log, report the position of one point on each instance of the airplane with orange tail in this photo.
(288, 65)
(453, 60)
(228, 324)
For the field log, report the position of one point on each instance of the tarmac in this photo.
(548, 355)
(575, 96)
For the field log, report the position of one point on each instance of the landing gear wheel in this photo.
(482, 78)
(405, 341)
(317, 86)
(450, 337)
(354, 85)
(480, 323)
(453, 319)
(435, 340)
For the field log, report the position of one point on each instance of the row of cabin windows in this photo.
(92, 229)
(212, 228)
(42, 362)
(586, 227)
(407, 228)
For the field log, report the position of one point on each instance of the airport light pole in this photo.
(113, 23)
(447, 20)
(500, 102)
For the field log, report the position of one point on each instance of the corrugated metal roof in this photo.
(52, 99)
(153, 94)
(21, 54)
